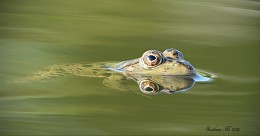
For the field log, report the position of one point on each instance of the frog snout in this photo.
(185, 64)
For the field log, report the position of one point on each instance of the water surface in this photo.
(221, 37)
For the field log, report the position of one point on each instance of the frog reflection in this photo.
(165, 84)
(167, 71)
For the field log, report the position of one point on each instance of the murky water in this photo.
(221, 37)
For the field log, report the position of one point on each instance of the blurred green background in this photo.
(219, 36)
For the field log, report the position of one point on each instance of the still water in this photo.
(220, 37)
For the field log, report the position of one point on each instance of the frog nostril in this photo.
(151, 57)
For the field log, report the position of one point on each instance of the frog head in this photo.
(154, 62)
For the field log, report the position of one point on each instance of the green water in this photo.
(218, 36)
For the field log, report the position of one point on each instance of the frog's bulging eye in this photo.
(149, 87)
(173, 54)
(151, 59)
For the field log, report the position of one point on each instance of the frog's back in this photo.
(86, 69)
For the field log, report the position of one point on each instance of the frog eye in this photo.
(173, 54)
(149, 87)
(151, 59)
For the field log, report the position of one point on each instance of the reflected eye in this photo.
(149, 87)
(173, 54)
(151, 59)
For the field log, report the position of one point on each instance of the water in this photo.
(221, 37)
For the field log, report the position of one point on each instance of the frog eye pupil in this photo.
(151, 57)
(148, 88)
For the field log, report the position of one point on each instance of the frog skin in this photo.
(162, 69)
(154, 62)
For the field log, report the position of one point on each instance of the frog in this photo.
(154, 72)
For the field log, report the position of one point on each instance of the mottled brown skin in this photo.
(170, 62)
